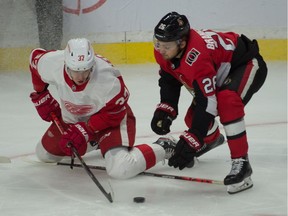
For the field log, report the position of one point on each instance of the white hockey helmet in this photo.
(79, 55)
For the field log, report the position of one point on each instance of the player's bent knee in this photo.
(230, 106)
(120, 164)
(114, 166)
(45, 156)
(117, 172)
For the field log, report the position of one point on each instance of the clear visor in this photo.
(165, 46)
(70, 71)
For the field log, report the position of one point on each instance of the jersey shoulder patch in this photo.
(35, 55)
(192, 56)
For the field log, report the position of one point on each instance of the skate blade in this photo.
(241, 186)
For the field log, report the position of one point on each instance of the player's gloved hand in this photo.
(162, 119)
(185, 150)
(77, 135)
(45, 104)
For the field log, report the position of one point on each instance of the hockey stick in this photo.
(4, 159)
(83, 164)
(184, 178)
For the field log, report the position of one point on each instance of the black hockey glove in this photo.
(185, 150)
(162, 119)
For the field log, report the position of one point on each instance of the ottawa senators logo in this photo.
(192, 56)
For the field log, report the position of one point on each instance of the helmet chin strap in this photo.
(88, 77)
(68, 73)
(180, 52)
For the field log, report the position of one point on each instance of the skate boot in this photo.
(239, 178)
(169, 144)
(207, 147)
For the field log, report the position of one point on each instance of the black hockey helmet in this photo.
(172, 27)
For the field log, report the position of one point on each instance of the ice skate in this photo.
(238, 187)
(168, 143)
(239, 178)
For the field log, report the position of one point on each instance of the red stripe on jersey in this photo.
(148, 154)
(38, 84)
(245, 78)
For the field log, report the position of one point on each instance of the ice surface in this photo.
(30, 189)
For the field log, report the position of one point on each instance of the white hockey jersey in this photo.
(101, 101)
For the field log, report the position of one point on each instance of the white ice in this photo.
(30, 189)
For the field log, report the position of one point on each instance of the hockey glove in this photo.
(78, 135)
(185, 150)
(45, 104)
(162, 119)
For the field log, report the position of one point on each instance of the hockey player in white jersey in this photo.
(93, 108)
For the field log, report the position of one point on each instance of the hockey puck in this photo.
(139, 199)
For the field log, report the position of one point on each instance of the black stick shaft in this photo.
(184, 178)
(92, 176)
(83, 164)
